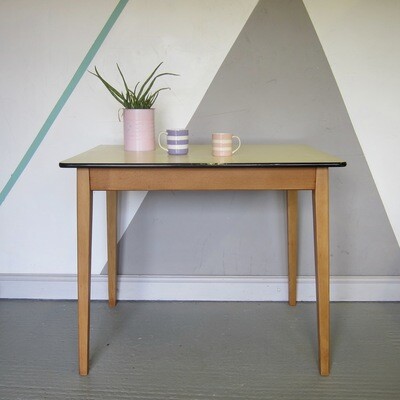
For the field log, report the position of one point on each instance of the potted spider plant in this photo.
(138, 114)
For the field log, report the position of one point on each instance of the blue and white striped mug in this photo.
(177, 141)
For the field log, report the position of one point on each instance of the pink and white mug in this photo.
(222, 144)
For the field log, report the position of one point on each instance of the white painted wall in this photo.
(361, 41)
(42, 43)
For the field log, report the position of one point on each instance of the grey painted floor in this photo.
(168, 350)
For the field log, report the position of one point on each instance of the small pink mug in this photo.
(222, 144)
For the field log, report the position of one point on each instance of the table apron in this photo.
(275, 178)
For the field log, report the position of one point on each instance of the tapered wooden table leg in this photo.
(321, 237)
(292, 233)
(84, 213)
(112, 246)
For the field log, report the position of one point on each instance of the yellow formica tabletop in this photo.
(279, 155)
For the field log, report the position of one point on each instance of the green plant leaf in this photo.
(128, 96)
(120, 98)
(153, 97)
(141, 96)
(148, 79)
(153, 81)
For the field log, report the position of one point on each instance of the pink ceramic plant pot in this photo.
(139, 130)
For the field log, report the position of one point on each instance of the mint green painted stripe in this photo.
(63, 99)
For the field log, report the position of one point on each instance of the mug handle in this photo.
(240, 143)
(120, 114)
(159, 140)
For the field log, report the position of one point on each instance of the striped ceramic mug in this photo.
(222, 144)
(177, 141)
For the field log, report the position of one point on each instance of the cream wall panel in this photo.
(187, 37)
(42, 43)
(360, 39)
(37, 219)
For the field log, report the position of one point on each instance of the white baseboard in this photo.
(197, 288)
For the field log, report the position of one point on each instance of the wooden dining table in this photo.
(287, 167)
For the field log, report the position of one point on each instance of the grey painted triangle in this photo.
(274, 86)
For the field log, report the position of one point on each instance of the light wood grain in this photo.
(112, 246)
(321, 237)
(84, 214)
(202, 178)
(292, 233)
